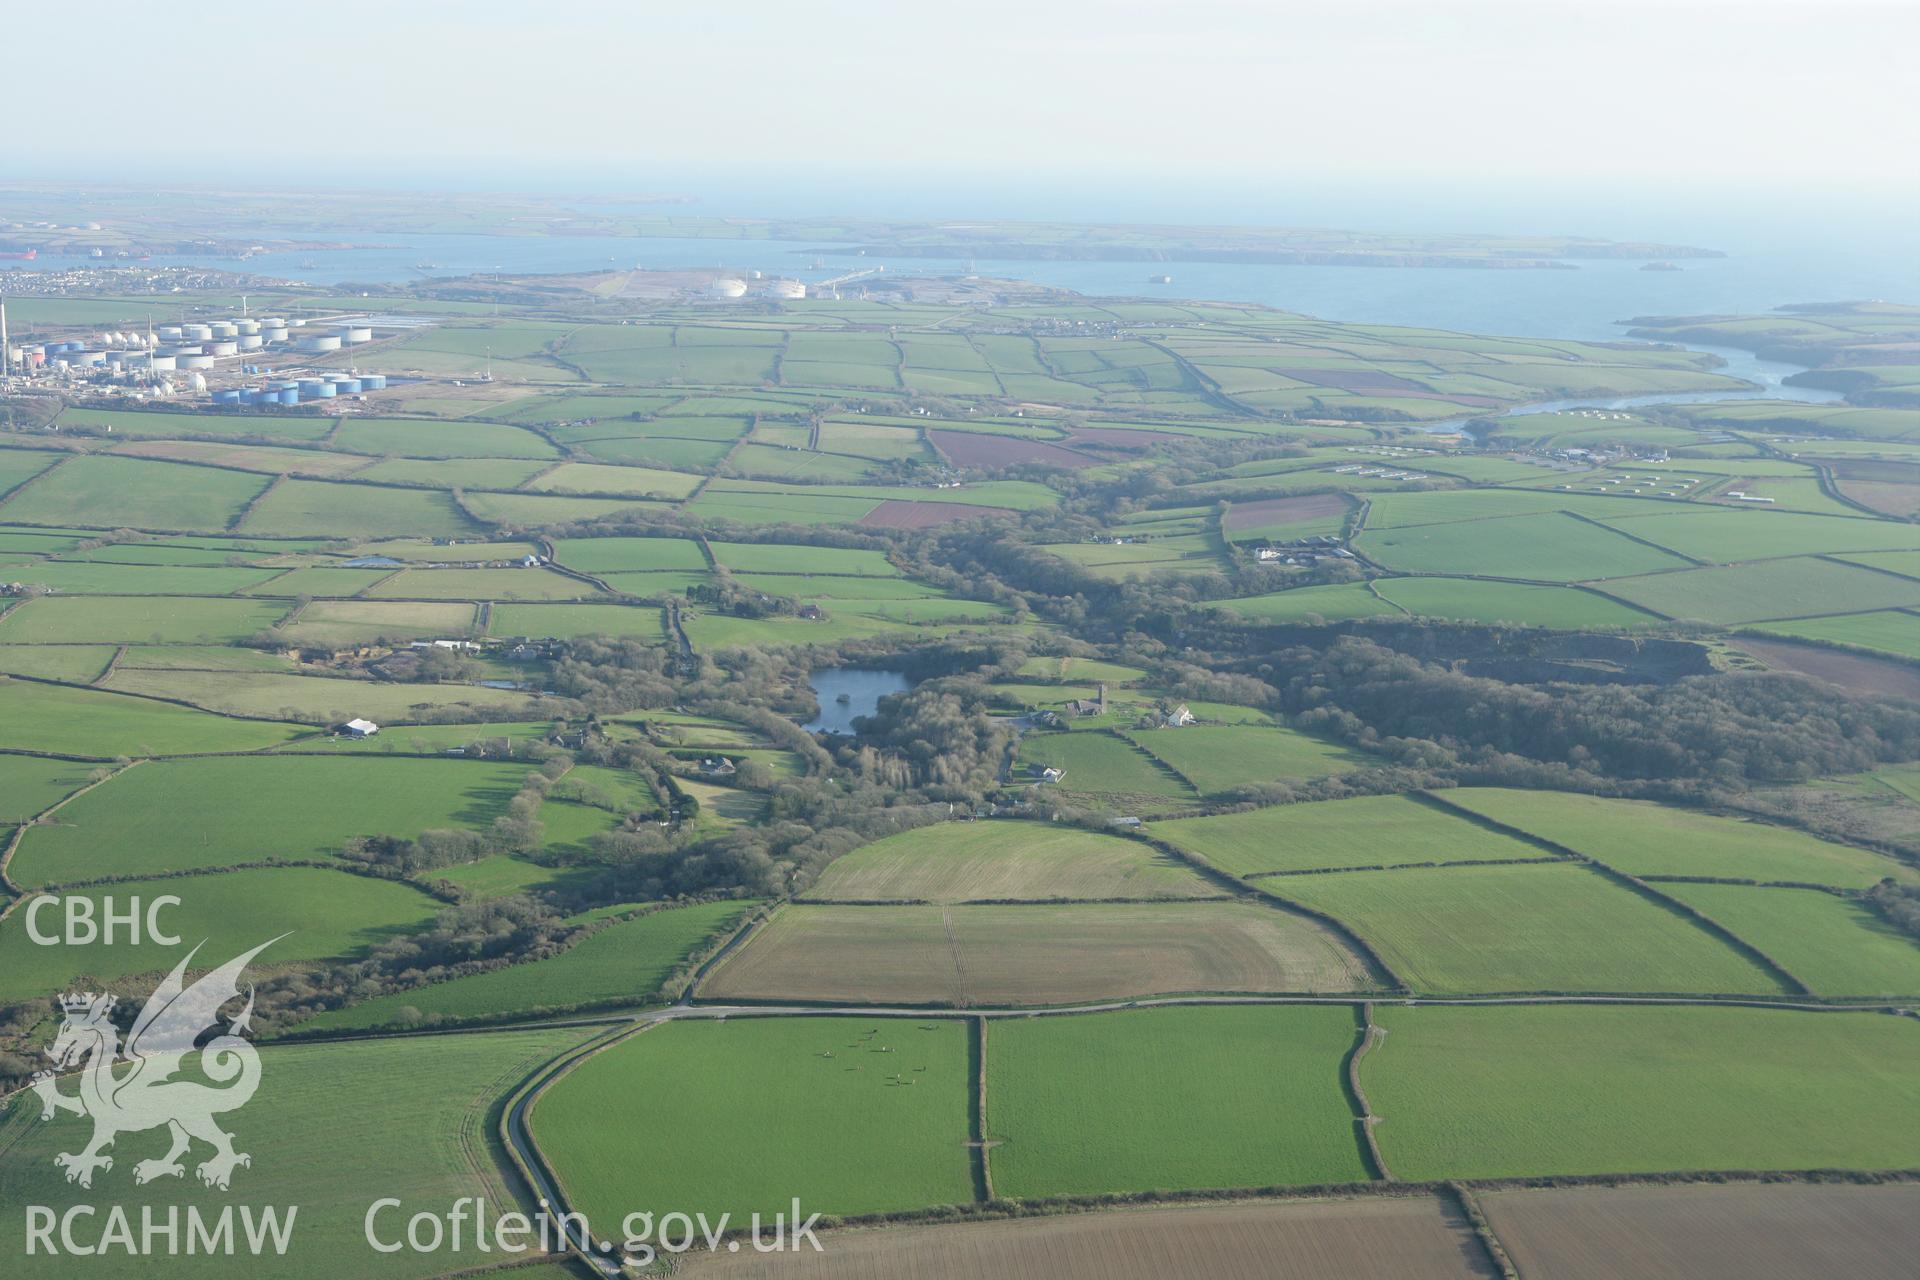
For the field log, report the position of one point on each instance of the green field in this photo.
(1548, 547)
(113, 493)
(323, 914)
(624, 963)
(1221, 757)
(1837, 946)
(136, 620)
(425, 1106)
(322, 508)
(1770, 589)
(83, 722)
(347, 622)
(1539, 927)
(324, 700)
(629, 555)
(1543, 1090)
(1365, 831)
(567, 621)
(424, 438)
(1891, 631)
(1467, 600)
(233, 810)
(847, 1121)
(28, 785)
(1646, 839)
(1003, 861)
(1313, 605)
(1102, 764)
(1175, 1098)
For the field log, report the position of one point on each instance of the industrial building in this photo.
(140, 361)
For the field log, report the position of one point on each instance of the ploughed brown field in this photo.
(1407, 1237)
(974, 449)
(1851, 671)
(1711, 1232)
(1307, 506)
(1031, 954)
(899, 513)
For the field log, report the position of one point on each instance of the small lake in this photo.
(861, 687)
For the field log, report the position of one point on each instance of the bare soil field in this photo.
(899, 513)
(972, 449)
(1308, 506)
(1409, 1238)
(974, 955)
(1710, 1232)
(1850, 671)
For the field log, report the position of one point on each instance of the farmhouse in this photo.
(1177, 717)
(1047, 773)
(718, 767)
(357, 728)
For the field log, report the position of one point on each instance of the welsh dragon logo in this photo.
(132, 1089)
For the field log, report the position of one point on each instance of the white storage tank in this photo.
(196, 332)
(274, 334)
(196, 362)
(163, 364)
(171, 332)
(245, 328)
(356, 333)
(224, 329)
(789, 289)
(319, 342)
(251, 342)
(729, 287)
(226, 347)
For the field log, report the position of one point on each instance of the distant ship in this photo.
(1159, 279)
(1661, 266)
(20, 255)
(426, 266)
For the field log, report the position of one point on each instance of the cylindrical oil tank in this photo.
(251, 342)
(356, 333)
(224, 329)
(373, 381)
(347, 386)
(278, 334)
(729, 287)
(163, 364)
(290, 396)
(319, 342)
(245, 327)
(788, 289)
(171, 332)
(188, 350)
(196, 332)
(196, 362)
(86, 357)
(226, 397)
(224, 347)
(316, 388)
(271, 322)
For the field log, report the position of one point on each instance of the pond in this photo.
(848, 692)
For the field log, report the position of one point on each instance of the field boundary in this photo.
(1364, 1118)
(20, 834)
(982, 1163)
(1477, 1222)
(1352, 940)
(1794, 984)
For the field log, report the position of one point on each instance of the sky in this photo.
(1800, 97)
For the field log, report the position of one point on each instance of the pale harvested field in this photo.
(1407, 1238)
(1005, 861)
(1777, 1232)
(1031, 954)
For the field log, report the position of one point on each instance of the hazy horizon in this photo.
(1247, 99)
